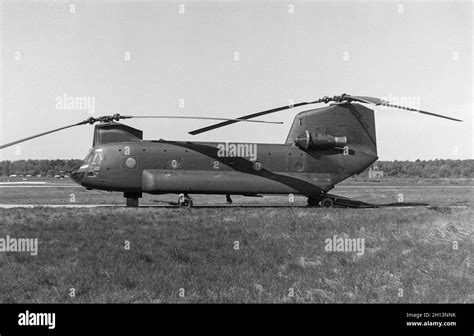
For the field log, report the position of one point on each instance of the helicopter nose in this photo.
(77, 175)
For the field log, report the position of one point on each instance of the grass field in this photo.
(239, 254)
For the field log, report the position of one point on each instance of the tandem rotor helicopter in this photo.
(324, 147)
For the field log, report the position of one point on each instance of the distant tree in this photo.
(428, 168)
(444, 171)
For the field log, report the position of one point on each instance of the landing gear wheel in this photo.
(327, 203)
(185, 201)
(313, 202)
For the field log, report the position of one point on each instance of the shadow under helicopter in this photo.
(253, 206)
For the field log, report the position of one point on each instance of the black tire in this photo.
(183, 200)
(327, 203)
(189, 202)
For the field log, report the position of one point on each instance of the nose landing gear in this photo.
(132, 199)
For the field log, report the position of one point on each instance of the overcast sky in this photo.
(228, 59)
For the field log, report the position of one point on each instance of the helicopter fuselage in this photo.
(159, 167)
(324, 147)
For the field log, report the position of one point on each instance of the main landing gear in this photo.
(329, 201)
(185, 201)
(313, 202)
(228, 199)
(325, 202)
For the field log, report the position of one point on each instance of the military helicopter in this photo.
(324, 147)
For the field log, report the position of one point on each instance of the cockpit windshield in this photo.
(94, 158)
(97, 159)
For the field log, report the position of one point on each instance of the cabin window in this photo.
(131, 163)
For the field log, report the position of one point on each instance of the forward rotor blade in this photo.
(200, 118)
(378, 102)
(41, 134)
(245, 118)
(369, 100)
(117, 117)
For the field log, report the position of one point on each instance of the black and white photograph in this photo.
(237, 152)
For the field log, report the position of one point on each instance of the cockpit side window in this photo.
(89, 157)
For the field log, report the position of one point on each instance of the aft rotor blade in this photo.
(378, 101)
(40, 135)
(201, 118)
(245, 118)
(420, 111)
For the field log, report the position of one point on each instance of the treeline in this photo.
(38, 167)
(418, 168)
(428, 169)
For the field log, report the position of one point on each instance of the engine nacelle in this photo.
(319, 141)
